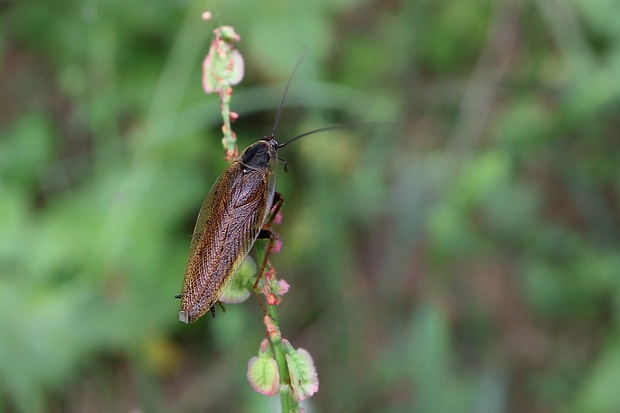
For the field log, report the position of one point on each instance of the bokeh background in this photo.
(465, 259)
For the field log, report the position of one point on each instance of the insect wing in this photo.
(228, 224)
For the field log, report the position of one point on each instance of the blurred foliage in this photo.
(466, 259)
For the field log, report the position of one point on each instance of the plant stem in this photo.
(287, 402)
(229, 141)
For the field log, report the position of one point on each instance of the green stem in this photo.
(229, 140)
(287, 402)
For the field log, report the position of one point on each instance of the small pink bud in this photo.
(282, 287)
(277, 246)
(269, 274)
(274, 289)
(206, 16)
(231, 155)
(272, 299)
(272, 330)
(278, 218)
(234, 116)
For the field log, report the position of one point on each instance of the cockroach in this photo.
(236, 212)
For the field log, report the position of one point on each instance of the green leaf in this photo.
(263, 375)
(239, 288)
(304, 379)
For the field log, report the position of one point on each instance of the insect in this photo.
(229, 222)
(236, 212)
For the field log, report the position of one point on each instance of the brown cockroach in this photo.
(238, 209)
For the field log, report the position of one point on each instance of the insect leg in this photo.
(278, 201)
(272, 240)
(265, 232)
(212, 308)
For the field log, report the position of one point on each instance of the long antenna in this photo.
(338, 126)
(275, 125)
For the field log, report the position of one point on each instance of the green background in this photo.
(465, 259)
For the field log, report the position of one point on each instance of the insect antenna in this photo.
(326, 128)
(279, 112)
(338, 126)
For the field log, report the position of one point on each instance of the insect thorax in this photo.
(260, 155)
